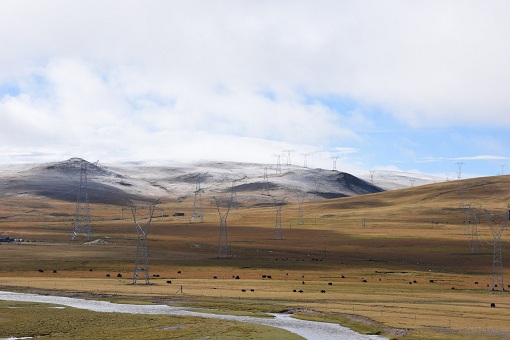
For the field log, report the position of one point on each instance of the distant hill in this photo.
(118, 183)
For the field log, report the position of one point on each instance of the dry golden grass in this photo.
(411, 237)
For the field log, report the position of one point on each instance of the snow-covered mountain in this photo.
(118, 183)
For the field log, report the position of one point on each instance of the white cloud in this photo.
(463, 158)
(132, 78)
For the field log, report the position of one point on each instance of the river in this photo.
(307, 329)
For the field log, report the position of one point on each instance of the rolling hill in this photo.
(116, 184)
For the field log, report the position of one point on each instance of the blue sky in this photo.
(415, 86)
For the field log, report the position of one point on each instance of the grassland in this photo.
(408, 273)
(21, 319)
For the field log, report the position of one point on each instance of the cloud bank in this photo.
(244, 80)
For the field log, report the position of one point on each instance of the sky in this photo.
(415, 86)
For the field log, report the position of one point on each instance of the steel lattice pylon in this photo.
(334, 158)
(467, 215)
(498, 224)
(266, 183)
(223, 238)
(81, 223)
(301, 219)
(278, 233)
(278, 164)
(474, 231)
(235, 203)
(198, 211)
(142, 251)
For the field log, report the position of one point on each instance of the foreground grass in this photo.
(22, 319)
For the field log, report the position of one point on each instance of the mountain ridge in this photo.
(117, 184)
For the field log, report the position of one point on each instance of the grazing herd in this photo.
(237, 277)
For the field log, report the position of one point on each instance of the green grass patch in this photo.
(125, 301)
(232, 312)
(20, 319)
(233, 306)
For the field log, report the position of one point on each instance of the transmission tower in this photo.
(463, 188)
(301, 219)
(475, 216)
(142, 252)
(81, 223)
(288, 155)
(266, 182)
(234, 195)
(278, 233)
(412, 181)
(372, 172)
(305, 162)
(497, 223)
(234, 191)
(278, 163)
(316, 182)
(223, 238)
(459, 174)
(467, 216)
(334, 159)
(198, 212)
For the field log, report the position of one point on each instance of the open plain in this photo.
(406, 263)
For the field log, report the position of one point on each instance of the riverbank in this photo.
(304, 328)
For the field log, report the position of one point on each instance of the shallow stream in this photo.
(307, 329)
